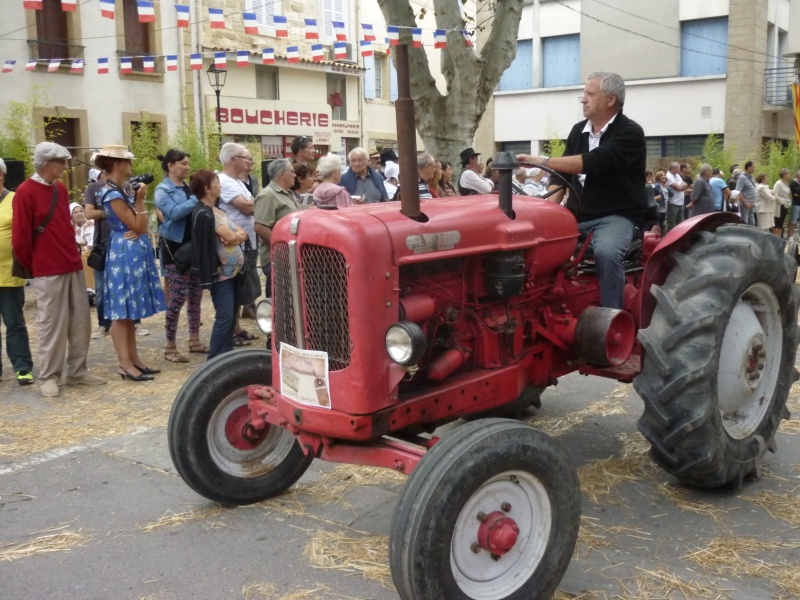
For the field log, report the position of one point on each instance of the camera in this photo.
(137, 180)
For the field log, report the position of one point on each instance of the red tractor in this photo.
(387, 323)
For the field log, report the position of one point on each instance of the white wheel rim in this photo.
(477, 574)
(750, 360)
(263, 458)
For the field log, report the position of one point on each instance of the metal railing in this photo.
(47, 50)
(137, 61)
(777, 85)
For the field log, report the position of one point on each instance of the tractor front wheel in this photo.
(211, 445)
(719, 357)
(491, 512)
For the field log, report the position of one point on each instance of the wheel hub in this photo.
(497, 533)
(239, 432)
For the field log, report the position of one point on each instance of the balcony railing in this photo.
(47, 50)
(137, 61)
(778, 85)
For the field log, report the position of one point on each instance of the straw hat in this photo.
(115, 151)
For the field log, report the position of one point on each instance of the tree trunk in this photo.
(447, 122)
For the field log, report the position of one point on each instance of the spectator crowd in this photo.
(214, 230)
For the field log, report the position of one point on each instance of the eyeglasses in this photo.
(244, 157)
(289, 171)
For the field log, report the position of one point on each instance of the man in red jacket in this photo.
(55, 262)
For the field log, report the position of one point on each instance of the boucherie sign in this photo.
(270, 117)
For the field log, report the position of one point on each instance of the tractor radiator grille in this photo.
(282, 296)
(325, 291)
(324, 300)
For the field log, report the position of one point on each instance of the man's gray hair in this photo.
(737, 172)
(328, 165)
(229, 151)
(672, 165)
(3, 166)
(276, 166)
(704, 167)
(424, 160)
(783, 172)
(359, 151)
(611, 84)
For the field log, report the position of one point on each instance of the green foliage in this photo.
(16, 133)
(202, 149)
(146, 145)
(715, 154)
(555, 145)
(777, 155)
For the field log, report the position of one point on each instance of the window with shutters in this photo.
(380, 65)
(266, 83)
(337, 96)
(704, 47)
(370, 78)
(333, 10)
(392, 80)
(264, 10)
(53, 33)
(519, 75)
(137, 35)
(561, 60)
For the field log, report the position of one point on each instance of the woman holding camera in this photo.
(132, 289)
(175, 201)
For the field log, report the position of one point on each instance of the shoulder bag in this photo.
(17, 270)
(97, 257)
(248, 284)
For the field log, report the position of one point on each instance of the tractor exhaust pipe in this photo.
(506, 163)
(406, 136)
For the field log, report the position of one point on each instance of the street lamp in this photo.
(216, 79)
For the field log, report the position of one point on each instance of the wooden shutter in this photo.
(51, 31)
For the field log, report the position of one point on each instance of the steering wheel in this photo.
(563, 186)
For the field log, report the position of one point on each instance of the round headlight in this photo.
(405, 343)
(264, 316)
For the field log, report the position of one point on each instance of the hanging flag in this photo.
(147, 13)
(340, 50)
(312, 33)
(394, 35)
(268, 56)
(440, 39)
(196, 61)
(242, 58)
(31, 5)
(102, 66)
(220, 61)
(416, 37)
(339, 31)
(467, 38)
(31, 65)
(369, 33)
(183, 15)
(316, 53)
(217, 18)
(366, 47)
(8, 66)
(292, 54)
(52, 67)
(281, 28)
(172, 62)
(148, 64)
(250, 23)
(125, 65)
(388, 48)
(69, 5)
(107, 8)
(77, 66)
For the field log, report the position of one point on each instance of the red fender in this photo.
(660, 262)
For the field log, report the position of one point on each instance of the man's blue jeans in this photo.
(18, 346)
(748, 214)
(611, 237)
(223, 295)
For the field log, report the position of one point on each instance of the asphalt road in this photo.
(90, 506)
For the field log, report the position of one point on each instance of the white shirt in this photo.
(472, 181)
(594, 140)
(675, 196)
(232, 189)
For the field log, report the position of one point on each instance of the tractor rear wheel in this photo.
(491, 512)
(208, 442)
(719, 357)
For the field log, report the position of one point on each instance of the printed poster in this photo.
(304, 376)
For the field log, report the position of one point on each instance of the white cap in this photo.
(50, 151)
(735, 194)
(73, 206)
(94, 174)
(533, 172)
(392, 170)
(3, 167)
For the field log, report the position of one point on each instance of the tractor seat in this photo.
(631, 260)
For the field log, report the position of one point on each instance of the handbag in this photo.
(248, 284)
(97, 257)
(182, 258)
(17, 270)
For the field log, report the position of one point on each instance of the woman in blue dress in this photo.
(132, 289)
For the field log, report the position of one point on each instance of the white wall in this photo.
(559, 18)
(693, 9)
(539, 114)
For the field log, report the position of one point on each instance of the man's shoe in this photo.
(86, 379)
(49, 388)
(24, 378)
(100, 333)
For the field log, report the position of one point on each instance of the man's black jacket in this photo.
(614, 171)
